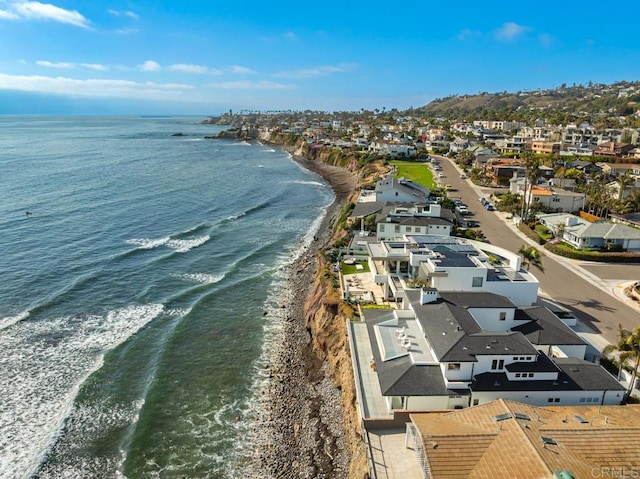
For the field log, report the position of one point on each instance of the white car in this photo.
(463, 176)
(441, 175)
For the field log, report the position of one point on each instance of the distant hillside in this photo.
(593, 101)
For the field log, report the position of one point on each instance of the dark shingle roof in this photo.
(588, 376)
(542, 364)
(544, 327)
(477, 300)
(400, 377)
(363, 210)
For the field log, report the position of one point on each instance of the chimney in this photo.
(428, 295)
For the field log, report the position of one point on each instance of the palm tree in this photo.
(628, 349)
(623, 181)
(531, 256)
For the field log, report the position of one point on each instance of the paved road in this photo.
(596, 308)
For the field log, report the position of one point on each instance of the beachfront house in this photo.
(395, 221)
(400, 190)
(467, 331)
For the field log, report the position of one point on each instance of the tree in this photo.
(628, 349)
(623, 181)
(531, 256)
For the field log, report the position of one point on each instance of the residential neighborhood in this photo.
(446, 322)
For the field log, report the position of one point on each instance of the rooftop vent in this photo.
(580, 419)
(549, 441)
(523, 417)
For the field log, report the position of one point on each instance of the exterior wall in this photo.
(397, 196)
(460, 279)
(484, 362)
(415, 403)
(386, 231)
(560, 203)
(577, 351)
(541, 398)
(462, 374)
(489, 318)
(520, 293)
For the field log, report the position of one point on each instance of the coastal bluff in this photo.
(322, 435)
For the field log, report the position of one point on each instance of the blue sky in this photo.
(205, 57)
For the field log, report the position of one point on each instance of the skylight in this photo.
(502, 417)
(524, 417)
(549, 441)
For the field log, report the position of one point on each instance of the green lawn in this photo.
(419, 172)
(351, 268)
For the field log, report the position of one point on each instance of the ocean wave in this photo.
(178, 245)
(307, 182)
(201, 278)
(11, 320)
(44, 364)
(184, 245)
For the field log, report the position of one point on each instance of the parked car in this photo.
(463, 176)
(482, 200)
(440, 175)
(447, 187)
(489, 207)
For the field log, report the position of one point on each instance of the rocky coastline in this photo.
(302, 433)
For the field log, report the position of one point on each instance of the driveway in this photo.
(587, 297)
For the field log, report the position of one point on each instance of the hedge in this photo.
(593, 255)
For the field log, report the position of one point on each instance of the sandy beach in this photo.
(302, 430)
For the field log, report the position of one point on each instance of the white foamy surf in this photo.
(44, 364)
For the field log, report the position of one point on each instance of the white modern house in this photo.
(400, 190)
(395, 221)
(450, 264)
(468, 331)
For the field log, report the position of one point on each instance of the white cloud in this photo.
(127, 13)
(46, 11)
(468, 33)
(61, 65)
(95, 66)
(510, 31)
(290, 36)
(150, 66)
(316, 71)
(240, 69)
(99, 88)
(5, 15)
(252, 85)
(199, 69)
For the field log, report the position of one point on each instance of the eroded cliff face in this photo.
(326, 318)
(326, 315)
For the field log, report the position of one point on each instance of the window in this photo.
(476, 402)
(550, 400)
(518, 375)
(503, 316)
(582, 399)
(453, 366)
(408, 229)
(476, 282)
(497, 364)
(397, 229)
(418, 229)
(381, 228)
(556, 399)
(530, 375)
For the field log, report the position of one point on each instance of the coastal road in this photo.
(594, 307)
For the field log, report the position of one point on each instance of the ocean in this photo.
(141, 274)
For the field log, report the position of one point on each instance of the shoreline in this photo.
(302, 431)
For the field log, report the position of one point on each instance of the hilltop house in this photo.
(550, 197)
